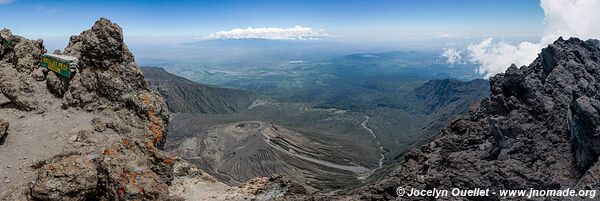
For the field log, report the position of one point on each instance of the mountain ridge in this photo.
(536, 130)
(186, 96)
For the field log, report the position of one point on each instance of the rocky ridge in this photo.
(95, 136)
(446, 100)
(185, 96)
(439, 94)
(538, 129)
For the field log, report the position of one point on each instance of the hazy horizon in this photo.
(493, 34)
(351, 20)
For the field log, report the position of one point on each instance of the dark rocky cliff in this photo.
(538, 129)
(185, 96)
(445, 100)
(459, 95)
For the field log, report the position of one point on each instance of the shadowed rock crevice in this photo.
(3, 130)
(585, 131)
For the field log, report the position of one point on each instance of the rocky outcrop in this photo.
(19, 57)
(185, 96)
(17, 88)
(108, 81)
(108, 126)
(194, 184)
(538, 129)
(107, 75)
(130, 165)
(23, 54)
(67, 178)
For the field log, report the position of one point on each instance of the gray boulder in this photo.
(107, 72)
(18, 88)
(24, 54)
(69, 178)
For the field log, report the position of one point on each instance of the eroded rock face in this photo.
(68, 178)
(133, 170)
(538, 129)
(18, 88)
(120, 156)
(56, 84)
(195, 184)
(27, 54)
(106, 68)
(131, 166)
(585, 130)
(24, 54)
(100, 47)
(19, 57)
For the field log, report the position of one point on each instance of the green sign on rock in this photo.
(61, 64)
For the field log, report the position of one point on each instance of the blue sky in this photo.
(376, 20)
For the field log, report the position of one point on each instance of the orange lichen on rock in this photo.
(146, 100)
(168, 161)
(121, 193)
(126, 142)
(109, 87)
(109, 152)
(129, 177)
(74, 175)
(155, 125)
(155, 131)
(151, 146)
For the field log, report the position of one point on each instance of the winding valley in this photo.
(377, 142)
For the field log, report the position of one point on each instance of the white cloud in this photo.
(446, 36)
(294, 33)
(453, 55)
(571, 18)
(568, 18)
(6, 1)
(497, 57)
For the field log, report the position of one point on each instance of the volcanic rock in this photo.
(538, 129)
(18, 88)
(70, 178)
(101, 131)
(108, 83)
(24, 54)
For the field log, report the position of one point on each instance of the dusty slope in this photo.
(97, 135)
(240, 151)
